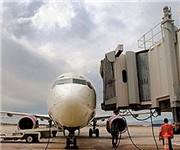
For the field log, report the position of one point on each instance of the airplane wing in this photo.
(40, 116)
(102, 118)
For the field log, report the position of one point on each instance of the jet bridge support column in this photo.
(172, 64)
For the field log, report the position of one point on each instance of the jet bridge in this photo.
(146, 79)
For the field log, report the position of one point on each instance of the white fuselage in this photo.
(71, 101)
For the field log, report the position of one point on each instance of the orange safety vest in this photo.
(167, 130)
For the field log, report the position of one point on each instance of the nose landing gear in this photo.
(71, 141)
(94, 130)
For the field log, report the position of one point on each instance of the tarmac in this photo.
(142, 138)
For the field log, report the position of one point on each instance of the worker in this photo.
(166, 129)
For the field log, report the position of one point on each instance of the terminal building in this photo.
(148, 79)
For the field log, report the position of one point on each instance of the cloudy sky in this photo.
(43, 39)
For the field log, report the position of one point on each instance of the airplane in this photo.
(71, 104)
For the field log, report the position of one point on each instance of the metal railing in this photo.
(151, 38)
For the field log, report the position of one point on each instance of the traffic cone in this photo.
(166, 142)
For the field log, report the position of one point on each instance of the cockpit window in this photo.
(89, 85)
(63, 81)
(70, 80)
(78, 81)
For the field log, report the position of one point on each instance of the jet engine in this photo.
(27, 122)
(116, 124)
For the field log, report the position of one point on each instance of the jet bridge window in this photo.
(78, 81)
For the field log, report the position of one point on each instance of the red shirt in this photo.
(167, 129)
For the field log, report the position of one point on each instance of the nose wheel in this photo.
(71, 141)
(94, 130)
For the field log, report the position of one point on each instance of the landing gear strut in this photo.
(114, 140)
(71, 141)
(94, 130)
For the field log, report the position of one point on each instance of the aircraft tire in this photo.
(68, 143)
(75, 142)
(54, 133)
(90, 132)
(97, 132)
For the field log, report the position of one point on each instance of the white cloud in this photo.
(22, 41)
(115, 22)
(53, 14)
(47, 50)
(77, 61)
(104, 13)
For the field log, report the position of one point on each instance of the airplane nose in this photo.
(71, 101)
(59, 91)
(72, 112)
